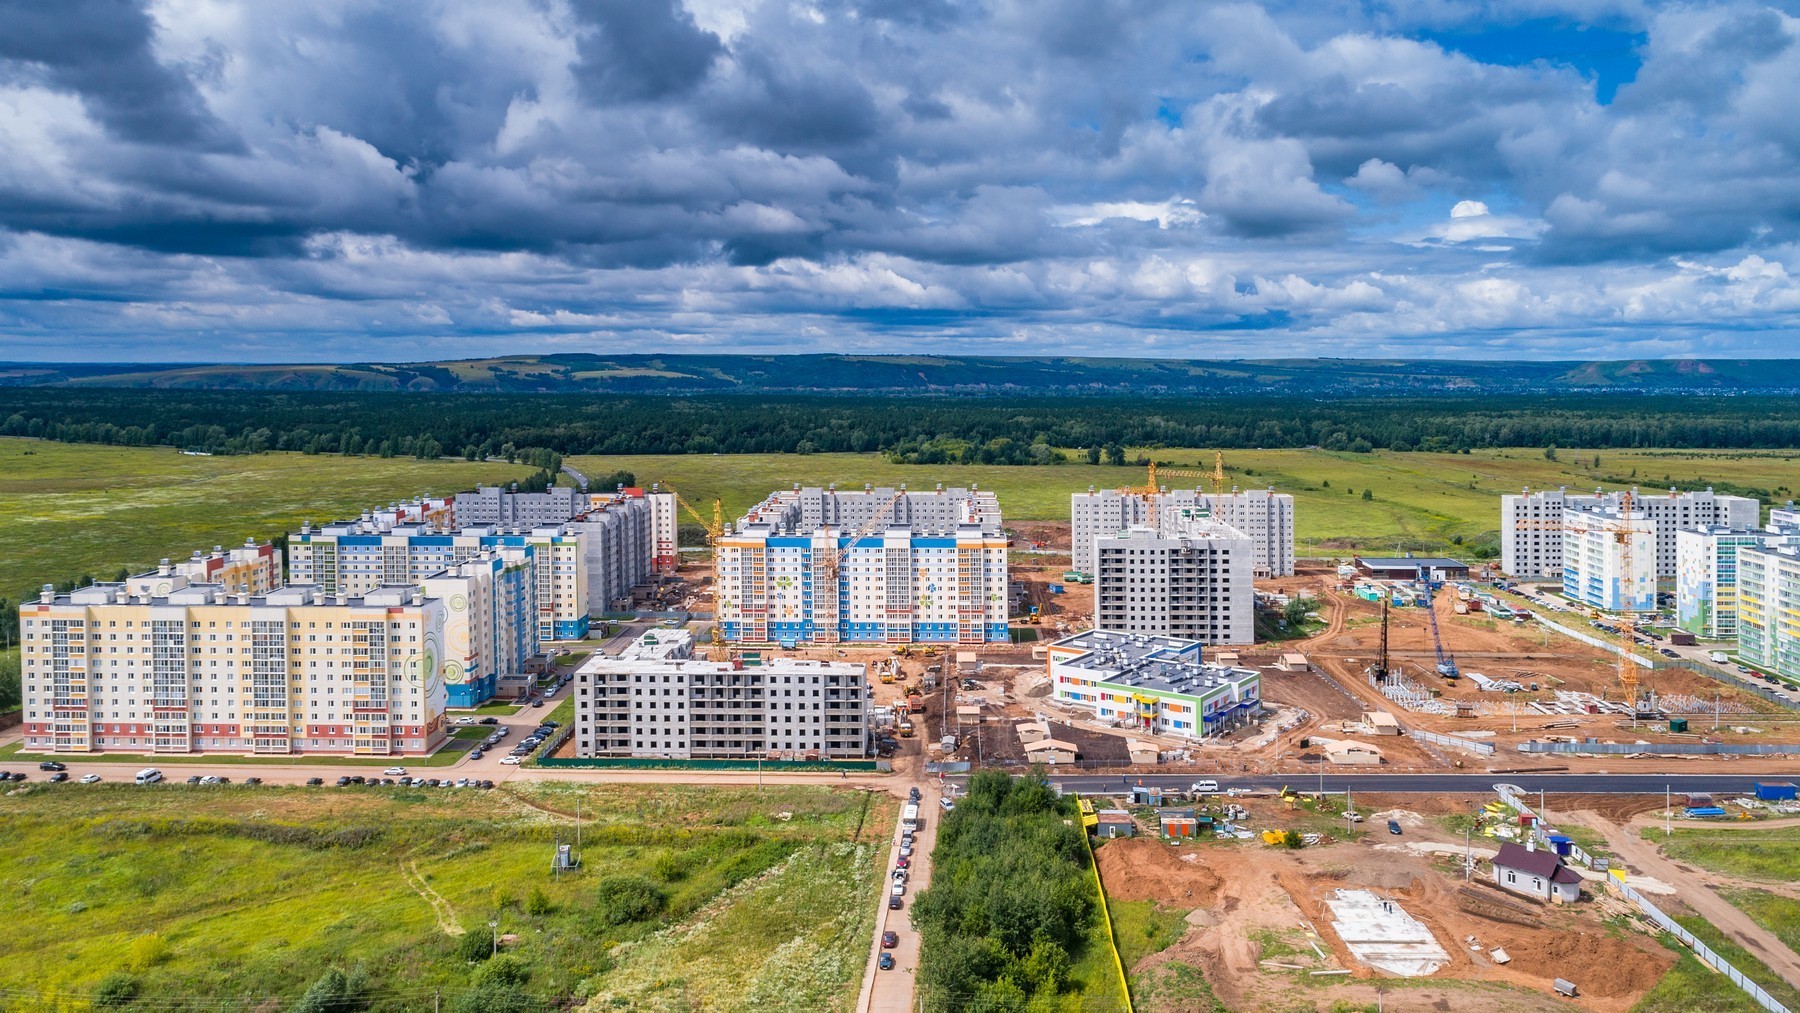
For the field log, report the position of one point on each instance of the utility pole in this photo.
(1668, 813)
(1468, 853)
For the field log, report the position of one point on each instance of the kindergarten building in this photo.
(1154, 684)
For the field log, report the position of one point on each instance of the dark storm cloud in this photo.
(641, 49)
(1102, 176)
(100, 49)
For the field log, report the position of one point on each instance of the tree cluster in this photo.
(1011, 897)
(536, 429)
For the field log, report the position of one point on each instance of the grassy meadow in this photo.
(251, 894)
(1419, 501)
(1767, 856)
(72, 508)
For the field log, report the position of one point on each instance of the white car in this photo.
(1204, 787)
(90, 778)
(511, 761)
(465, 720)
(394, 772)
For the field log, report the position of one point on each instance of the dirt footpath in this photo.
(1259, 927)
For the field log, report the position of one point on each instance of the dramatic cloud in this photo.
(337, 180)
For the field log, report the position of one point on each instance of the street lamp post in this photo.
(494, 924)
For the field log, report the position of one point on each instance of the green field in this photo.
(1419, 501)
(718, 897)
(1775, 912)
(73, 509)
(1769, 856)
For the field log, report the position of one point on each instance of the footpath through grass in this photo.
(248, 895)
(1770, 856)
(72, 508)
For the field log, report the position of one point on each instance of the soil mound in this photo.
(1143, 869)
(1597, 963)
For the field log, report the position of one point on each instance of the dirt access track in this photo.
(1252, 909)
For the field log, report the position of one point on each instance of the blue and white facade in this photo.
(360, 555)
(1598, 570)
(876, 566)
(490, 626)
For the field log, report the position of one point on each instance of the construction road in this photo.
(1578, 784)
(893, 991)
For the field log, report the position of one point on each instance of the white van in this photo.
(149, 775)
(1205, 787)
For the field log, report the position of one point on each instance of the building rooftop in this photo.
(606, 664)
(1405, 562)
(940, 511)
(1151, 661)
(183, 593)
(1540, 862)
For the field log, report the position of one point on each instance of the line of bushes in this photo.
(1010, 899)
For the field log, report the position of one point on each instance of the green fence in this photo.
(771, 766)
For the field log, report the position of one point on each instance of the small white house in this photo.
(1536, 873)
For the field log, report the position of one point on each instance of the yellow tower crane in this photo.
(715, 527)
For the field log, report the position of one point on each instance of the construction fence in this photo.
(1665, 748)
(1732, 679)
(1510, 794)
(1452, 742)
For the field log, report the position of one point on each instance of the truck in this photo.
(915, 701)
(1717, 657)
(909, 817)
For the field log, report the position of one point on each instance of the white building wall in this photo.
(1531, 542)
(1196, 586)
(1265, 516)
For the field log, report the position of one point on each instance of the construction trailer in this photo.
(1775, 791)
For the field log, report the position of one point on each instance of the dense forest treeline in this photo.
(536, 428)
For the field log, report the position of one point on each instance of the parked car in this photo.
(490, 721)
(1394, 827)
(890, 939)
(894, 903)
(887, 962)
(485, 783)
(314, 782)
(903, 862)
(58, 777)
(194, 779)
(948, 805)
(476, 754)
(343, 781)
(252, 780)
(394, 771)
(1204, 787)
(431, 782)
(511, 761)
(52, 765)
(90, 779)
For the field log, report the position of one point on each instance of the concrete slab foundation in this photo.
(1382, 935)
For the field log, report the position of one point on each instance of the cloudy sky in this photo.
(203, 180)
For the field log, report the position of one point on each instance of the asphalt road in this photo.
(1582, 784)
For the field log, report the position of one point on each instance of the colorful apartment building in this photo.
(1153, 684)
(194, 668)
(490, 626)
(873, 566)
(249, 568)
(355, 556)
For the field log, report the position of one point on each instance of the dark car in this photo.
(358, 779)
(490, 721)
(252, 780)
(552, 724)
(58, 777)
(343, 781)
(314, 782)
(890, 939)
(887, 962)
(894, 903)
(431, 782)
(476, 754)
(1394, 827)
(194, 779)
(52, 765)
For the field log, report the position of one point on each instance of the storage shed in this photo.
(1293, 661)
(1143, 754)
(1533, 873)
(1348, 752)
(1114, 823)
(1177, 823)
(1382, 723)
(967, 663)
(1775, 791)
(1051, 751)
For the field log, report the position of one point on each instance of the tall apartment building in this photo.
(929, 566)
(354, 556)
(249, 569)
(622, 543)
(665, 525)
(689, 709)
(1193, 583)
(1706, 574)
(1595, 568)
(1266, 516)
(1531, 533)
(1768, 595)
(490, 621)
(194, 668)
(510, 509)
(1154, 684)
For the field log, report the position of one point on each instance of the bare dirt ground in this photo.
(1256, 908)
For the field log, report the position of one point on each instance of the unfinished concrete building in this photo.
(1192, 583)
(1264, 516)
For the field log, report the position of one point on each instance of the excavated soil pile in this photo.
(1143, 869)
(1597, 963)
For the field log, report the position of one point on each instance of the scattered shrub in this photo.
(116, 989)
(505, 969)
(623, 899)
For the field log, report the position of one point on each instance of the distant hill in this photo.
(927, 374)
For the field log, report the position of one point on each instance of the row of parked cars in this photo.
(897, 886)
(403, 781)
(526, 744)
